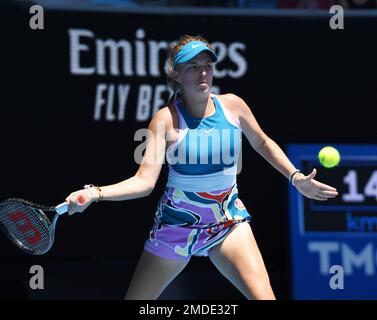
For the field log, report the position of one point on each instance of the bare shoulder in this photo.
(161, 116)
(234, 103)
(230, 97)
(166, 117)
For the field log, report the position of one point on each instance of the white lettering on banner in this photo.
(144, 102)
(221, 54)
(154, 53)
(118, 53)
(149, 100)
(238, 59)
(125, 53)
(157, 100)
(140, 53)
(137, 58)
(100, 101)
(113, 47)
(234, 55)
(105, 97)
(111, 101)
(362, 259)
(123, 92)
(75, 46)
(324, 249)
(110, 104)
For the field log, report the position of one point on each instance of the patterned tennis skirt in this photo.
(191, 223)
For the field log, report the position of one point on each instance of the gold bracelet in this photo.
(100, 194)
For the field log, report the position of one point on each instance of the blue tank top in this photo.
(206, 145)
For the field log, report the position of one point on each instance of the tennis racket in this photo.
(27, 225)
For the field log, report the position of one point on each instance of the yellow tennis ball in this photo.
(329, 157)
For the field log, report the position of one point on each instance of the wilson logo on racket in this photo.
(27, 224)
(24, 225)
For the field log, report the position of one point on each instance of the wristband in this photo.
(292, 176)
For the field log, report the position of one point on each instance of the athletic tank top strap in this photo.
(227, 114)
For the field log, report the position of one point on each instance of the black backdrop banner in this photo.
(74, 95)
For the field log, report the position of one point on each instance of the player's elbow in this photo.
(260, 143)
(145, 189)
(147, 185)
(149, 190)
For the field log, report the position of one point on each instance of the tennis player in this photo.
(199, 213)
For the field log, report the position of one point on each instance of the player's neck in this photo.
(198, 106)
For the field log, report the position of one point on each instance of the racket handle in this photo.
(61, 208)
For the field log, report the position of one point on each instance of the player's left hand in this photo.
(314, 189)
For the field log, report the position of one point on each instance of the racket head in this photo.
(27, 226)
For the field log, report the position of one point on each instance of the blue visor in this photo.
(191, 50)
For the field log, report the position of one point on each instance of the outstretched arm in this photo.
(143, 182)
(270, 151)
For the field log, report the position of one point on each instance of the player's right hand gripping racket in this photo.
(27, 225)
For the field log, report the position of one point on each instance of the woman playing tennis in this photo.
(199, 213)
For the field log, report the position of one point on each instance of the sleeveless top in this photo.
(205, 155)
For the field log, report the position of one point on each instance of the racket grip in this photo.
(61, 208)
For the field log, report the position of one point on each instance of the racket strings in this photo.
(29, 227)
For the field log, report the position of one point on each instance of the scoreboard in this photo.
(334, 243)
